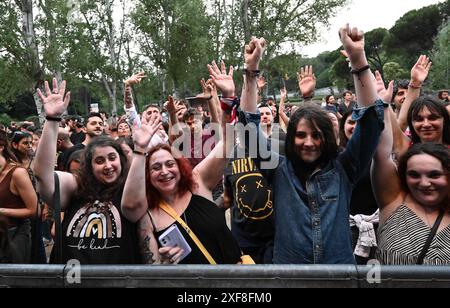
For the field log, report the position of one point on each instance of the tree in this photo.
(413, 34)
(374, 49)
(21, 67)
(393, 71)
(174, 37)
(284, 22)
(106, 42)
(440, 72)
(340, 74)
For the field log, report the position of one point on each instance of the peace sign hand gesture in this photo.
(54, 102)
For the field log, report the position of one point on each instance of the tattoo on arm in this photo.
(147, 255)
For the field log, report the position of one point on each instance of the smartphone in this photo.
(172, 237)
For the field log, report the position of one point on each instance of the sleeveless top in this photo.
(402, 237)
(9, 200)
(208, 223)
(98, 233)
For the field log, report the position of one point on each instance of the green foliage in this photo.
(340, 74)
(413, 34)
(174, 37)
(5, 119)
(393, 71)
(440, 72)
(374, 48)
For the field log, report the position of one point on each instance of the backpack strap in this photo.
(57, 217)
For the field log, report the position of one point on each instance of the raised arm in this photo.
(134, 198)
(419, 73)
(385, 180)
(353, 42)
(210, 96)
(252, 55)
(306, 83)
(55, 104)
(283, 118)
(211, 169)
(130, 109)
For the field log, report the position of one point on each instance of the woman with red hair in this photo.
(170, 181)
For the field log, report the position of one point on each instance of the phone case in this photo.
(172, 237)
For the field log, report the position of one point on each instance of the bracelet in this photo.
(140, 153)
(359, 71)
(53, 119)
(308, 97)
(252, 74)
(413, 86)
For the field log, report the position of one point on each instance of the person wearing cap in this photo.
(77, 135)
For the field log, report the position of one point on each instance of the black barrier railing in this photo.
(234, 276)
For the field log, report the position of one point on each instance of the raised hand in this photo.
(261, 82)
(142, 135)
(383, 93)
(420, 70)
(283, 94)
(283, 97)
(210, 83)
(135, 79)
(54, 102)
(207, 90)
(223, 81)
(170, 106)
(253, 53)
(353, 42)
(306, 81)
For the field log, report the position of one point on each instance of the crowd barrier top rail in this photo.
(224, 276)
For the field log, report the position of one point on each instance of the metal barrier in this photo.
(234, 276)
(206, 276)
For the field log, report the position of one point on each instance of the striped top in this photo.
(402, 237)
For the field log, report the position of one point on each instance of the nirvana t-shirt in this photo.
(252, 210)
(97, 233)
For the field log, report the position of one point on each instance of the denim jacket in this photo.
(317, 231)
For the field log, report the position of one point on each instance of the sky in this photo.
(366, 15)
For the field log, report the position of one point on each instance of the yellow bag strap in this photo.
(171, 212)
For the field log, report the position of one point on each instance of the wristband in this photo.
(252, 74)
(139, 153)
(53, 119)
(360, 70)
(413, 86)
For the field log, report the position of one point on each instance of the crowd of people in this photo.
(316, 183)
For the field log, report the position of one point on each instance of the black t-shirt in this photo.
(77, 138)
(363, 199)
(252, 209)
(98, 233)
(208, 223)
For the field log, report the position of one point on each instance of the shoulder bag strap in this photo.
(57, 217)
(171, 212)
(430, 238)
